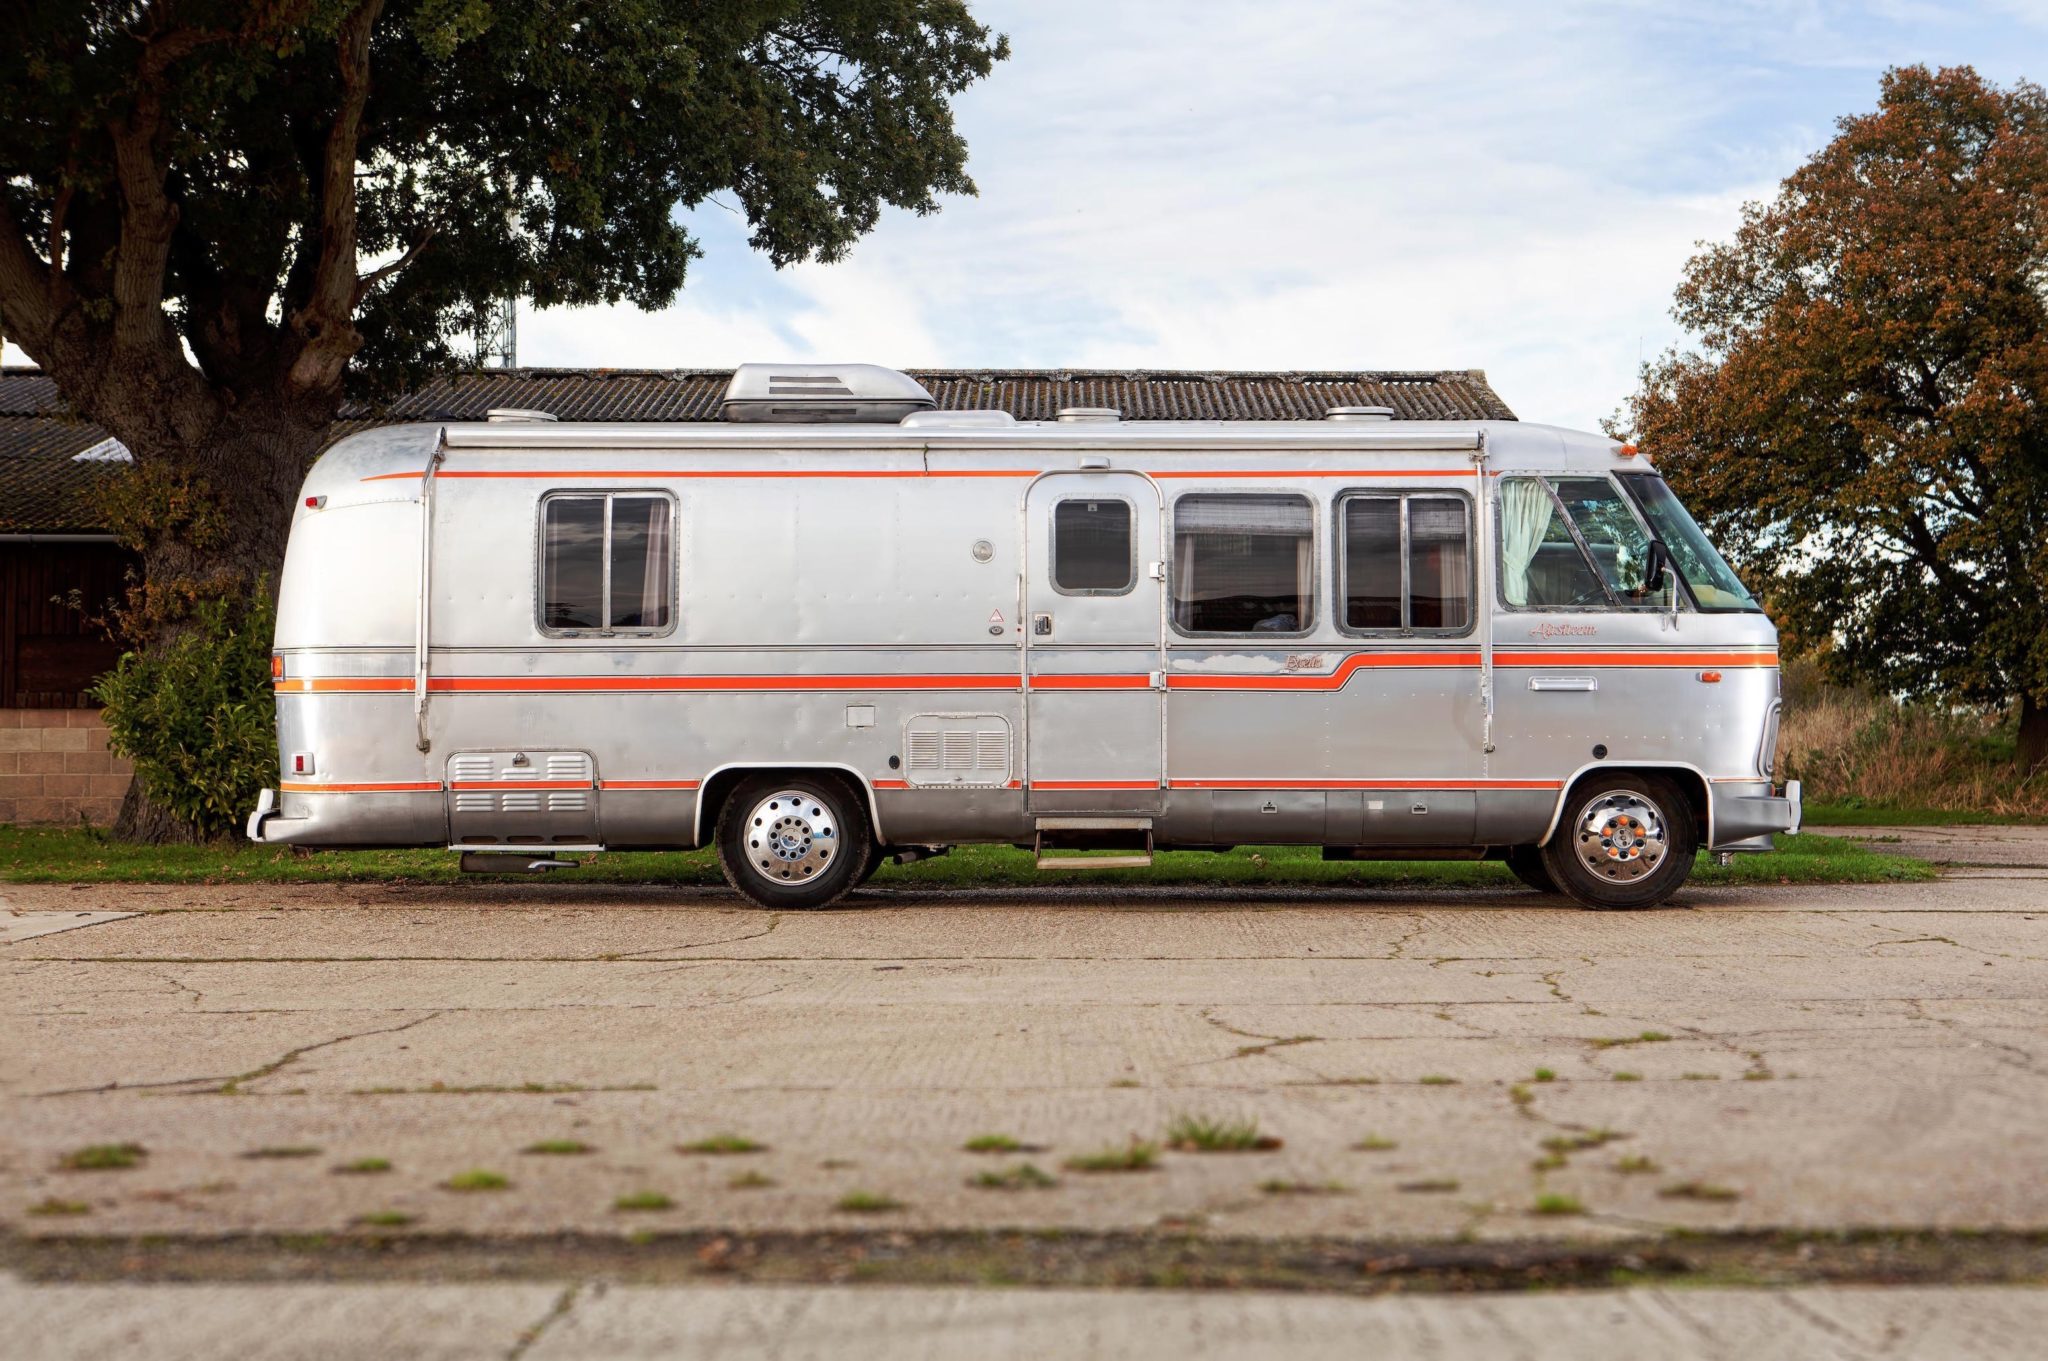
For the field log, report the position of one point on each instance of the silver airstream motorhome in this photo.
(841, 625)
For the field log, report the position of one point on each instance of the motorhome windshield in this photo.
(1714, 584)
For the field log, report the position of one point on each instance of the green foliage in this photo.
(104, 1158)
(197, 716)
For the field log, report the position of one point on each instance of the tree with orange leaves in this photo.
(1865, 422)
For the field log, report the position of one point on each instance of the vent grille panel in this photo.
(960, 750)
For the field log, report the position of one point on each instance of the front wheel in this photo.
(794, 841)
(1625, 841)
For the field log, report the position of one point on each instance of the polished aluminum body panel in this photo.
(846, 591)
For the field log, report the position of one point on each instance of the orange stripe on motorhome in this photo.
(1645, 657)
(521, 684)
(1091, 682)
(1334, 680)
(1365, 784)
(520, 784)
(650, 784)
(343, 684)
(1095, 784)
(643, 474)
(1269, 473)
(409, 787)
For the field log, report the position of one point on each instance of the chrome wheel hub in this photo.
(1622, 836)
(791, 837)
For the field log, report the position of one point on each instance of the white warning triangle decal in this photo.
(995, 616)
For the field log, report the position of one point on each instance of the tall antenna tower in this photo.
(497, 334)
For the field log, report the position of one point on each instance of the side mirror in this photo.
(1655, 565)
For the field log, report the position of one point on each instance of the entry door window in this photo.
(1243, 563)
(1092, 547)
(607, 564)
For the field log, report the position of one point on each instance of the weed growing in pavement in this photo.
(1276, 1186)
(1136, 1156)
(1198, 1134)
(385, 1219)
(721, 1144)
(1543, 1075)
(1022, 1177)
(477, 1179)
(643, 1200)
(54, 1207)
(867, 1203)
(1437, 1080)
(364, 1166)
(1554, 1204)
(1646, 1037)
(1700, 1190)
(104, 1157)
(287, 1151)
(1628, 1077)
(1429, 1186)
(1636, 1163)
(1373, 1143)
(1700, 1077)
(993, 1143)
(557, 1147)
(749, 1180)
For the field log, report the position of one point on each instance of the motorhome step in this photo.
(498, 862)
(1096, 862)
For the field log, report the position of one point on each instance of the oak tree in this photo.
(220, 217)
(1864, 423)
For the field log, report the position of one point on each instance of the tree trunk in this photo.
(2033, 742)
(234, 497)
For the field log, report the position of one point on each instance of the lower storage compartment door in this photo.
(522, 798)
(1417, 817)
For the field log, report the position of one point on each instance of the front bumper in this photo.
(1746, 822)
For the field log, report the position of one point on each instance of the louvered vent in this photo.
(958, 749)
(487, 806)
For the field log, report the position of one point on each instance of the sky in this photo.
(1201, 184)
(1314, 184)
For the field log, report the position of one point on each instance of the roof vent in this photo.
(1359, 413)
(516, 415)
(865, 393)
(1090, 413)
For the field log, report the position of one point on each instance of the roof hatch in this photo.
(866, 393)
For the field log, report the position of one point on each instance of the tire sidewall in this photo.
(1560, 853)
(847, 870)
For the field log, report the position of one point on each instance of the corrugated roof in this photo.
(40, 487)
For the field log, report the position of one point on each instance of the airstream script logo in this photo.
(1564, 631)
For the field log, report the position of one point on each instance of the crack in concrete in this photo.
(231, 1085)
(774, 921)
(557, 1311)
(2011, 1055)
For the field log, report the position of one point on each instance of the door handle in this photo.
(1041, 626)
(1581, 683)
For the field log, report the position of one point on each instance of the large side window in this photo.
(1407, 564)
(1243, 563)
(1542, 566)
(607, 563)
(1091, 547)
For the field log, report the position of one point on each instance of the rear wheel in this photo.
(1526, 864)
(794, 840)
(1625, 841)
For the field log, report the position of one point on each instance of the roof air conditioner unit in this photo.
(866, 393)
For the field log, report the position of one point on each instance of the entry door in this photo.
(1092, 649)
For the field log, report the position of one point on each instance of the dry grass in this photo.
(1857, 749)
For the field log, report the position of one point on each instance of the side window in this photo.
(607, 563)
(1092, 548)
(1407, 564)
(1541, 564)
(1243, 563)
(1620, 546)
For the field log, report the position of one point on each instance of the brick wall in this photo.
(55, 767)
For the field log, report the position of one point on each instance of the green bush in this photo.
(197, 718)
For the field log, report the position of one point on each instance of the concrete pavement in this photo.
(1792, 1057)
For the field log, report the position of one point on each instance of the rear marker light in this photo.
(315, 502)
(1710, 678)
(276, 667)
(302, 763)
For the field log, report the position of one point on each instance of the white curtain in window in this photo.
(654, 581)
(1525, 511)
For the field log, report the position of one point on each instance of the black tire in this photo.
(1526, 864)
(1625, 841)
(794, 841)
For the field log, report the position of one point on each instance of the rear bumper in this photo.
(267, 824)
(1746, 819)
